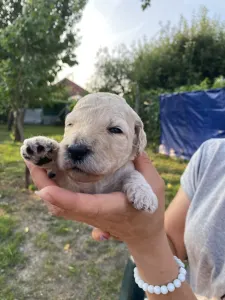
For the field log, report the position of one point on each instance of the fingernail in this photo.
(103, 238)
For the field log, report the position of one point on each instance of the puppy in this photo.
(102, 137)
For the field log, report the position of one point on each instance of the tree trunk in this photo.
(10, 120)
(18, 117)
(137, 99)
(18, 125)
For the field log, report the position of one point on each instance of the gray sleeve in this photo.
(190, 177)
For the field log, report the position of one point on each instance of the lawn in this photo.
(42, 257)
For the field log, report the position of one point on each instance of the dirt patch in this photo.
(2, 212)
(62, 262)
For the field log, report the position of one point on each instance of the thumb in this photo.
(144, 165)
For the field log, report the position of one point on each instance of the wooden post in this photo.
(27, 177)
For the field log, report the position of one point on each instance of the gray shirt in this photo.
(204, 237)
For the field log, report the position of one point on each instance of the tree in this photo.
(145, 4)
(181, 55)
(36, 38)
(113, 71)
(184, 54)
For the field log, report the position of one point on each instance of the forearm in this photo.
(156, 266)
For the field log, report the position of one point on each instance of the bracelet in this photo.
(164, 289)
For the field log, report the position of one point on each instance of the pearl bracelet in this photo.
(164, 289)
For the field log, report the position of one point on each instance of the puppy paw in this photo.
(39, 150)
(142, 197)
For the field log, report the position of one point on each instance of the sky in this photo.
(108, 23)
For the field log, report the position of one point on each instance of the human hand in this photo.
(145, 167)
(110, 212)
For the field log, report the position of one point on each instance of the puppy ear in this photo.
(140, 140)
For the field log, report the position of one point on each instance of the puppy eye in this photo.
(69, 125)
(115, 130)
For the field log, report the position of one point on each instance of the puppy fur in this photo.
(107, 165)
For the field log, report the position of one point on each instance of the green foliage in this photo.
(36, 39)
(145, 4)
(114, 71)
(181, 55)
(185, 54)
(219, 83)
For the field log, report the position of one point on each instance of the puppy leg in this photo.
(41, 151)
(139, 192)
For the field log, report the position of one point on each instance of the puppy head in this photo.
(102, 134)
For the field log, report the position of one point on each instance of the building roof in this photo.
(73, 88)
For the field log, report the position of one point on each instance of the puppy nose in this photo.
(78, 151)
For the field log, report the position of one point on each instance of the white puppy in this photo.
(102, 136)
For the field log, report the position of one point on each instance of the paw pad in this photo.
(39, 150)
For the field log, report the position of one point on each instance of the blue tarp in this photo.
(189, 119)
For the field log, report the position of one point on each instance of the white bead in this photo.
(177, 283)
(138, 280)
(181, 277)
(157, 290)
(182, 271)
(145, 287)
(164, 290)
(171, 287)
(176, 259)
(151, 289)
(140, 284)
(181, 264)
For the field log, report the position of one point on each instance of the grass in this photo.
(11, 166)
(42, 257)
(10, 254)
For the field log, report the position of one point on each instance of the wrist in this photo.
(147, 245)
(154, 260)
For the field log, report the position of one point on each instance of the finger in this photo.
(86, 205)
(144, 165)
(54, 210)
(39, 176)
(99, 235)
